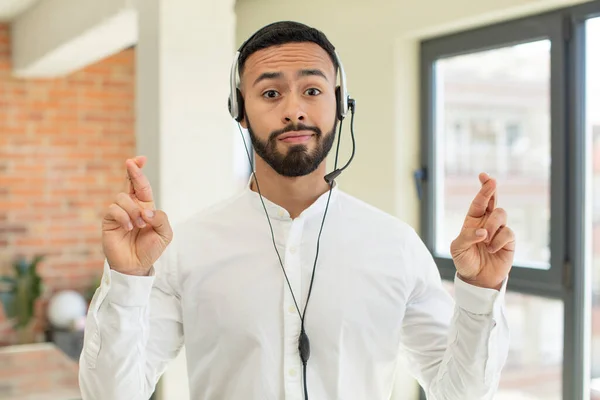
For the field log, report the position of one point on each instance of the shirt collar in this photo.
(275, 211)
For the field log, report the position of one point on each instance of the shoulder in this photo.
(366, 214)
(216, 214)
(389, 236)
(383, 230)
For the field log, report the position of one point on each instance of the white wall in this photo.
(378, 42)
(183, 58)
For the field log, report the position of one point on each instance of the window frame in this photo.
(546, 26)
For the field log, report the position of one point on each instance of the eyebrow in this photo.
(312, 72)
(278, 75)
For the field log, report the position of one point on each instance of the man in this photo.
(295, 305)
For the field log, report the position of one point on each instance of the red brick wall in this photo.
(63, 143)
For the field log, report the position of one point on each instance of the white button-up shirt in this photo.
(218, 289)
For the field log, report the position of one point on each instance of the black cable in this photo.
(305, 387)
(321, 230)
(337, 149)
(306, 347)
(303, 342)
(269, 221)
(352, 108)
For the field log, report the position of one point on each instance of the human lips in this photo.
(296, 136)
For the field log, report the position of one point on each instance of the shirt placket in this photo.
(292, 372)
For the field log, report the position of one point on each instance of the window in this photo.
(491, 95)
(520, 100)
(492, 103)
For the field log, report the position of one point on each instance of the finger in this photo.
(119, 215)
(140, 161)
(492, 204)
(159, 221)
(467, 238)
(497, 220)
(505, 239)
(140, 183)
(482, 199)
(133, 210)
(484, 177)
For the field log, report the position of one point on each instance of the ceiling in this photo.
(10, 9)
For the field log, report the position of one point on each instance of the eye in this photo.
(270, 94)
(312, 92)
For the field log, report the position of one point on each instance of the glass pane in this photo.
(533, 370)
(592, 88)
(493, 115)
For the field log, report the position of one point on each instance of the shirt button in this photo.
(291, 309)
(281, 213)
(292, 372)
(292, 250)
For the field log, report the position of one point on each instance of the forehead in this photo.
(289, 56)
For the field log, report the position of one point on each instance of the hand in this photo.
(134, 233)
(484, 250)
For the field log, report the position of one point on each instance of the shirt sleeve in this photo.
(133, 330)
(455, 348)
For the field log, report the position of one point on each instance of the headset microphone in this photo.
(330, 177)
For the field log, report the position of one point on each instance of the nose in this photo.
(294, 111)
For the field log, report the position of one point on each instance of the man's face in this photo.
(290, 106)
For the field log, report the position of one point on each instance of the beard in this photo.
(298, 161)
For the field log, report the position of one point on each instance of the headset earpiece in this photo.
(338, 103)
(235, 100)
(342, 103)
(240, 105)
(236, 110)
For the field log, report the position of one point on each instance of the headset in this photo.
(344, 103)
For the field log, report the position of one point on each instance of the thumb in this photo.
(159, 221)
(468, 237)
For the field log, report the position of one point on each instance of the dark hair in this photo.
(283, 32)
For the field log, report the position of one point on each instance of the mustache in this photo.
(292, 127)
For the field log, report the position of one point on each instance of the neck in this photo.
(294, 194)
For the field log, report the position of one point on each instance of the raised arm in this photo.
(133, 328)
